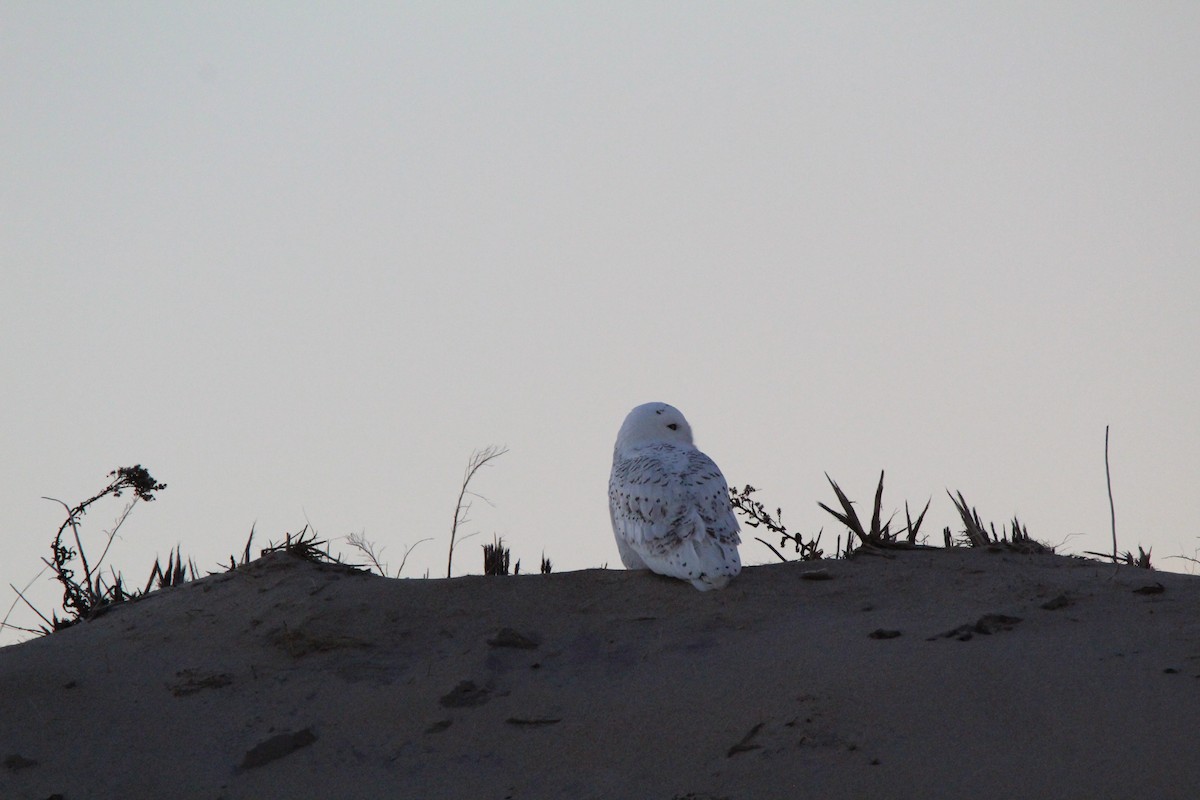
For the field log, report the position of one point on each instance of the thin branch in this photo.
(479, 458)
(113, 533)
(359, 542)
(481, 497)
(755, 515)
(408, 550)
(772, 549)
(1112, 512)
(31, 606)
(20, 597)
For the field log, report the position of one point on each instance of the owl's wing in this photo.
(707, 488)
(664, 494)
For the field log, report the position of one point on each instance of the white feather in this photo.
(669, 502)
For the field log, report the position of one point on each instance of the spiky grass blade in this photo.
(914, 528)
(876, 532)
(974, 530)
(848, 516)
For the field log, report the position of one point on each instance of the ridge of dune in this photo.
(907, 674)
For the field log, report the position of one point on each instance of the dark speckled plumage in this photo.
(669, 502)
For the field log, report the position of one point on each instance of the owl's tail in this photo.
(699, 558)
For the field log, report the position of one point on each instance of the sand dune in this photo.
(962, 673)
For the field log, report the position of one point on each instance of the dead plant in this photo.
(880, 534)
(374, 555)
(755, 515)
(306, 545)
(976, 534)
(496, 558)
(478, 460)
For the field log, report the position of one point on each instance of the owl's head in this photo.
(650, 423)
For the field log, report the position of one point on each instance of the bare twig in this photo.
(479, 459)
(1142, 559)
(120, 520)
(755, 515)
(359, 541)
(1112, 511)
(32, 608)
(778, 554)
(409, 549)
(21, 597)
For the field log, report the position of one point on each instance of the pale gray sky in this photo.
(301, 259)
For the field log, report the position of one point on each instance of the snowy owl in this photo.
(669, 502)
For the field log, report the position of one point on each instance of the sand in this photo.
(960, 673)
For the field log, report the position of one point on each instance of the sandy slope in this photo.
(289, 679)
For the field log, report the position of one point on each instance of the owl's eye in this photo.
(674, 426)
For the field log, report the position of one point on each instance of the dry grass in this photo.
(976, 534)
(479, 459)
(496, 558)
(374, 555)
(880, 535)
(87, 591)
(755, 515)
(305, 544)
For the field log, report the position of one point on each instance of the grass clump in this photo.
(306, 545)
(1142, 559)
(496, 558)
(976, 534)
(887, 534)
(881, 534)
